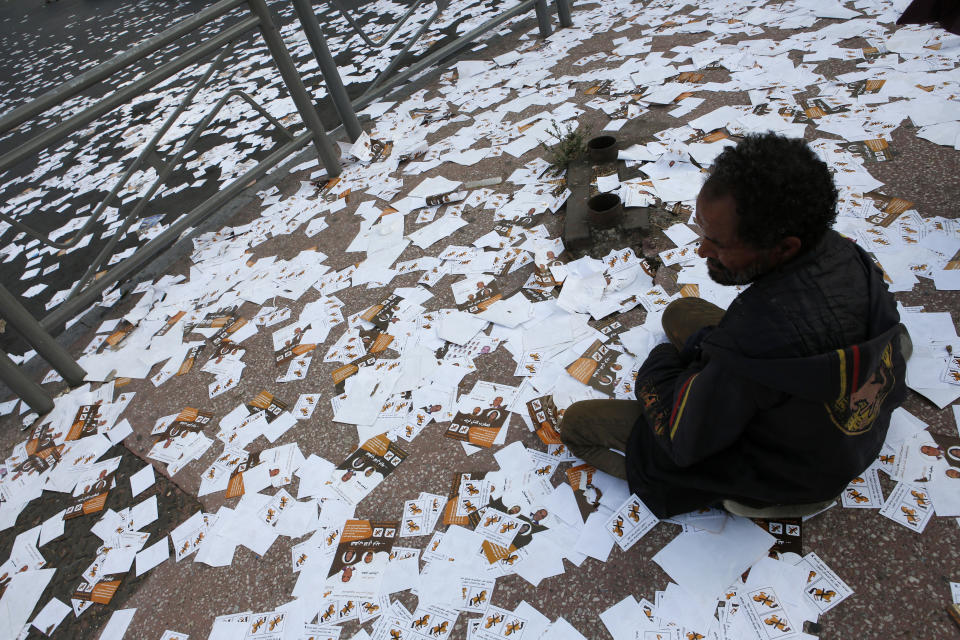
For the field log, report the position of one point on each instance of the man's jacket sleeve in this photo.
(695, 409)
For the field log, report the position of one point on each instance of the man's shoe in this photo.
(777, 511)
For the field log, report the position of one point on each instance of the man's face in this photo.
(729, 260)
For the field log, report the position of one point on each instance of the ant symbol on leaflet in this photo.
(495, 619)
(763, 598)
(910, 514)
(618, 527)
(823, 594)
(776, 623)
(858, 497)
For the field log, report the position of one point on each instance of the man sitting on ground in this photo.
(773, 406)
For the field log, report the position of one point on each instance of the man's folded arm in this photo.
(695, 409)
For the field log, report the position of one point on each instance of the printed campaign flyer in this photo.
(361, 557)
(366, 467)
(597, 367)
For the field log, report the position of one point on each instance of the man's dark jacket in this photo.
(785, 401)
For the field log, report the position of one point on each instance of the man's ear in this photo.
(787, 249)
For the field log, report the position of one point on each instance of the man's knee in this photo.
(684, 316)
(675, 309)
(574, 419)
(680, 310)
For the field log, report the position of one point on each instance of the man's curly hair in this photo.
(780, 188)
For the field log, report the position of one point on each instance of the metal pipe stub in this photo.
(602, 149)
(606, 210)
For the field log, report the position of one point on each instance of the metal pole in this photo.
(563, 13)
(21, 320)
(543, 18)
(331, 76)
(149, 251)
(379, 44)
(429, 60)
(298, 93)
(123, 95)
(26, 389)
(75, 85)
(398, 58)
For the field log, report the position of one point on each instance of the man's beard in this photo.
(722, 275)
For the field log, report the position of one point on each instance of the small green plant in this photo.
(571, 144)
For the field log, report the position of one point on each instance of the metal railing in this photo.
(88, 288)
(382, 85)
